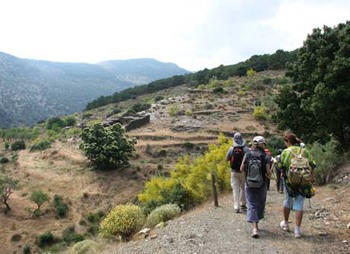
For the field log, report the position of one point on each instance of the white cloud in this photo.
(192, 33)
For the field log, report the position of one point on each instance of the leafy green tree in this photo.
(7, 186)
(106, 146)
(55, 123)
(39, 198)
(316, 106)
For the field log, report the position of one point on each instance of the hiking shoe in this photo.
(255, 233)
(297, 233)
(237, 210)
(284, 225)
(243, 207)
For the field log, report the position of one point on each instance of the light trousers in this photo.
(237, 184)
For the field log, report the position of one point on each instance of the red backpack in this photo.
(236, 158)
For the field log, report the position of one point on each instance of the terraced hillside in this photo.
(184, 121)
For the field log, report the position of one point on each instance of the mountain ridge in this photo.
(33, 90)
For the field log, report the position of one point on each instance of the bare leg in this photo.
(298, 218)
(286, 212)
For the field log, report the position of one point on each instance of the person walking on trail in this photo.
(298, 176)
(256, 168)
(278, 171)
(268, 179)
(235, 155)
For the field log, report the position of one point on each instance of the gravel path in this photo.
(219, 230)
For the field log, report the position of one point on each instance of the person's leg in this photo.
(236, 190)
(298, 207)
(287, 204)
(242, 191)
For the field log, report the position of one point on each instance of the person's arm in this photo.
(243, 165)
(268, 169)
(312, 164)
(229, 154)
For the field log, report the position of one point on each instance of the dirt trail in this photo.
(219, 230)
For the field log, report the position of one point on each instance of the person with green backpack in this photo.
(298, 175)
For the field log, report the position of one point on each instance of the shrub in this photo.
(55, 123)
(159, 98)
(7, 146)
(188, 145)
(45, 239)
(218, 90)
(27, 249)
(106, 146)
(162, 214)
(18, 145)
(4, 160)
(87, 115)
(40, 145)
(174, 111)
(70, 121)
(60, 206)
(202, 87)
(260, 113)
(91, 217)
(100, 214)
(267, 81)
(85, 247)
(16, 238)
(122, 221)
(188, 112)
(240, 93)
(70, 236)
(138, 107)
(39, 198)
(327, 159)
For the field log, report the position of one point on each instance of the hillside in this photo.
(32, 90)
(183, 121)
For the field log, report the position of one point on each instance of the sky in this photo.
(194, 34)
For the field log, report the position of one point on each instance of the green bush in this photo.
(122, 221)
(327, 160)
(162, 214)
(45, 239)
(91, 217)
(4, 160)
(70, 236)
(18, 145)
(85, 247)
(107, 146)
(60, 206)
(188, 145)
(87, 115)
(188, 112)
(218, 90)
(40, 145)
(267, 81)
(70, 121)
(55, 123)
(27, 249)
(158, 98)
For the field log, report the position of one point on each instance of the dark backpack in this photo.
(236, 158)
(254, 170)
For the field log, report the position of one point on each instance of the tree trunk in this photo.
(216, 202)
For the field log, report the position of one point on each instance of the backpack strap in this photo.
(295, 154)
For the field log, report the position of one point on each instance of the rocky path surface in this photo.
(219, 230)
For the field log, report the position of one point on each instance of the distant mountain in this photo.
(32, 90)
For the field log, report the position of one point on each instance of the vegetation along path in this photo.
(219, 230)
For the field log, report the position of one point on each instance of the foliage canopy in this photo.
(317, 105)
(106, 146)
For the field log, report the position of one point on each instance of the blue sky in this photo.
(194, 34)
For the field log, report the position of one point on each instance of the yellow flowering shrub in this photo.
(122, 221)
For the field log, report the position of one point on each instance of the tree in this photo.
(39, 198)
(7, 186)
(317, 105)
(106, 146)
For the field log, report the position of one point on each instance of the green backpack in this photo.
(299, 172)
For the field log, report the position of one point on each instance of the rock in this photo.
(348, 226)
(144, 231)
(153, 237)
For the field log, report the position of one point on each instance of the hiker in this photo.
(278, 171)
(256, 168)
(268, 179)
(298, 176)
(235, 155)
